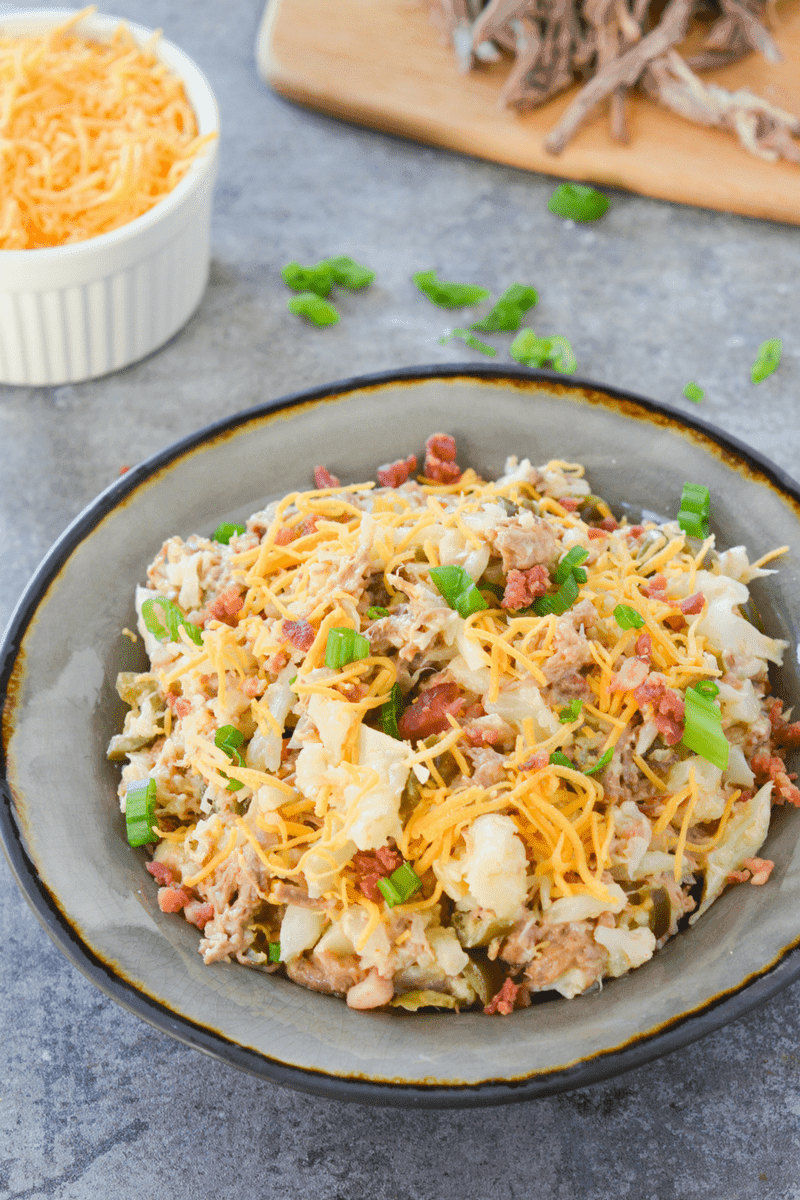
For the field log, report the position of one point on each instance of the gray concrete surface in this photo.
(92, 1101)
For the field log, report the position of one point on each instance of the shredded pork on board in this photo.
(537, 874)
(612, 46)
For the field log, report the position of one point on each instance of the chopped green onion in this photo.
(345, 646)
(569, 563)
(400, 885)
(601, 762)
(694, 392)
(234, 785)
(707, 688)
(315, 309)
(458, 589)
(317, 279)
(448, 295)
(292, 680)
(627, 617)
(390, 711)
(702, 729)
(558, 603)
(695, 510)
(229, 739)
(173, 618)
(140, 808)
(348, 273)
(224, 532)
(767, 359)
(509, 310)
(533, 351)
(577, 202)
(470, 340)
(559, 759)
(274, 952)
(571, 712)
(376, 613)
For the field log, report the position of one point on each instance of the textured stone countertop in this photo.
(93, 1102)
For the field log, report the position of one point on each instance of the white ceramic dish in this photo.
(69, 313)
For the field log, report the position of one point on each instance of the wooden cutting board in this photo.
(381, 63)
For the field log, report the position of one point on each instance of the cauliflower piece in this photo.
(493, 870)
(300, 930)
(627, 948)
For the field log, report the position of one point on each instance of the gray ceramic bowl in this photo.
(65, 840)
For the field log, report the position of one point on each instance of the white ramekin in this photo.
(73, 312)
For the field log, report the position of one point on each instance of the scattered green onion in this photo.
(577, 202)
(390, 711)
(376, 612)
(767, 359)
(707, 688)
(470, 340)
(627, 617)
(571, 712)
(229, 739)
(348, 273)
(571, 565)
(224, 532)
(601, 762)
(560, 601)
(292, 680)
(173, 618)
(274, 952)
(694, 392)
(317, 279)
(400, 885)
(559, 759)
(345, 646)
(509, 310)
(458, 589)
(315, 309)
(533, 351)
(695, 510)
(140, 809)
(702, 728)
(448, 295)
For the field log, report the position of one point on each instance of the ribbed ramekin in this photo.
(69, 313)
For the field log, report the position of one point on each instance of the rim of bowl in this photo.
(685, 1028)
(199, 93)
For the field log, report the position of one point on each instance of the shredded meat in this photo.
(333, 974)
(395, 473)
(524, 541)
(428, 714)
(324, 479)
(440, 459)
(522, 587)
(300, 633)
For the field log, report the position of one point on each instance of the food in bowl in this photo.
(450, 742)
(94, 132)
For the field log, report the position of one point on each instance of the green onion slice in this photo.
(560, 601)
(707, 688)
(317, 279)
(695, 510)
(376, 613)
(559, 759)
(140, 809)
(577, 202)
(229, 739)
(569, 562)
(274, 952)
(767, 359)
(470, 340)
(314, 308)
(627, 617)
(348, 273)
(458, 589)
(173, 619)
(224, 532)
(390, 712)
(702, 729)
(601, 762)
(509, 310)
(234, 785)
(533, 351)
(448, 295)
(400, 885)
(571, 712)
(694, 392)
(345, 646)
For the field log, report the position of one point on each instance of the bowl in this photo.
(69, 313)
(65, 839)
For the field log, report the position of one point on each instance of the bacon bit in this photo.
(225, 607)
(738, 876)
(278, 661)
(503, 1001)
(772, 767)
(284, 536)
(308, 526)
(199, 914)
(692, 604)
(300, 633)
(393, 474)
(482, 737)
(761, 868)
(474, 710)
(636, 531)
(675, 621)
(596, 533)
(124, 470)
(253, 687)
(644, 645)
(370, 867)
(172, 899)
(654, 589)
(428, 713)
(324, 479)
(522, 587)
(160, 872)
(440, 459)
(668, 709)
(783, 734)
(609, 524)
(179, 706)
(569, 503)
(537, 762)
